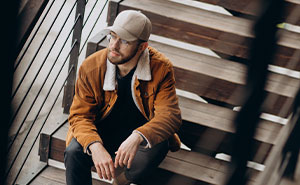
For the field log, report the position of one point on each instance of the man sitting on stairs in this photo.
(125, 115)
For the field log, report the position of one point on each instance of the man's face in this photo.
(120, 51)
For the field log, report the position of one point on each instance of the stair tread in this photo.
(250, 7)
(188, 163)
(224, 69)
(222, 22)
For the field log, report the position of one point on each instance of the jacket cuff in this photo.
(146, 142)
(87, 149)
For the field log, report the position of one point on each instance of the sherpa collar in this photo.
(142, 71)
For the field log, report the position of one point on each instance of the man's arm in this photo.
(83, 112)
(167, 115)
(82, 117)
(102, 161)
(127, 150)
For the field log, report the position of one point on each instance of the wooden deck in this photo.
(55, 176)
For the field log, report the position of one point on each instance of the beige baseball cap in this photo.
(131, 25)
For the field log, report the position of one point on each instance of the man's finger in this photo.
(117, 159)
(125, 160)
(112, 170)
(107, 171)
(103, 172)
(129, 162)
(99, 171)
(120, 161)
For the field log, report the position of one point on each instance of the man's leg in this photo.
(78, 165)
(145, 161)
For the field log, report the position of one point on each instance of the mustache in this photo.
(114, 50)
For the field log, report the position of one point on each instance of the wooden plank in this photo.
(219, 79)
(273, 172)
(221, 33)
(69, 89)
(112, 11)
(213, 141)
(193, 171)
(165, 177)
(27, 19)
(44, 146)
(58, 147)
(93, 43)
(220, 118)
(199, 171)
(251, 7)
(194, 165)
(55, 176)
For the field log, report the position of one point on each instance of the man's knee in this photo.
(73, 152)
(146, 160)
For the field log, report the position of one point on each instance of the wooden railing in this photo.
(33, 95)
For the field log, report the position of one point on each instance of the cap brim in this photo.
(122, 33)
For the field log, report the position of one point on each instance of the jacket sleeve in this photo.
(83, 112)
(167, 115)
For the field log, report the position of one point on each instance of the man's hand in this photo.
(102, 161)
(127, 150)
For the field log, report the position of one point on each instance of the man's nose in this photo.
(115, 43)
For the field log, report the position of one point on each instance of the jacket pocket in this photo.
(148, 102)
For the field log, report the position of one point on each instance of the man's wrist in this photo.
(145, 142)
(140, 138)
(93, 146)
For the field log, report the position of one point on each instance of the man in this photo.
(125, 111)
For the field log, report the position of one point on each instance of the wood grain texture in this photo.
(221, 33)
(251, 7)
(55, 176)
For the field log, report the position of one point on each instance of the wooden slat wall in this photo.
(221, 33)
(250, 7)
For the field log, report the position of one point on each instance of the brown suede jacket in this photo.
(153, 87)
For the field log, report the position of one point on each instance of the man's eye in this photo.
(113, 37)
(124, 41)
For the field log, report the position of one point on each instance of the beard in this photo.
(121, 59)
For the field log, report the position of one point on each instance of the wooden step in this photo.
(56, 176)
(210, 129)
(189, 164)
(220, 118)
(222, 33)
(251, 7)
(216, 78)
(219, 79)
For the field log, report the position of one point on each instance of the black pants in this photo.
(78, 164)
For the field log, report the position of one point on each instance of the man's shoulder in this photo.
(159, 59)
(95, 60)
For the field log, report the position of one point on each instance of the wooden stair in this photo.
(224, 34)
(206, 169)
(210, 118)
(251, 8)
(208, 128)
